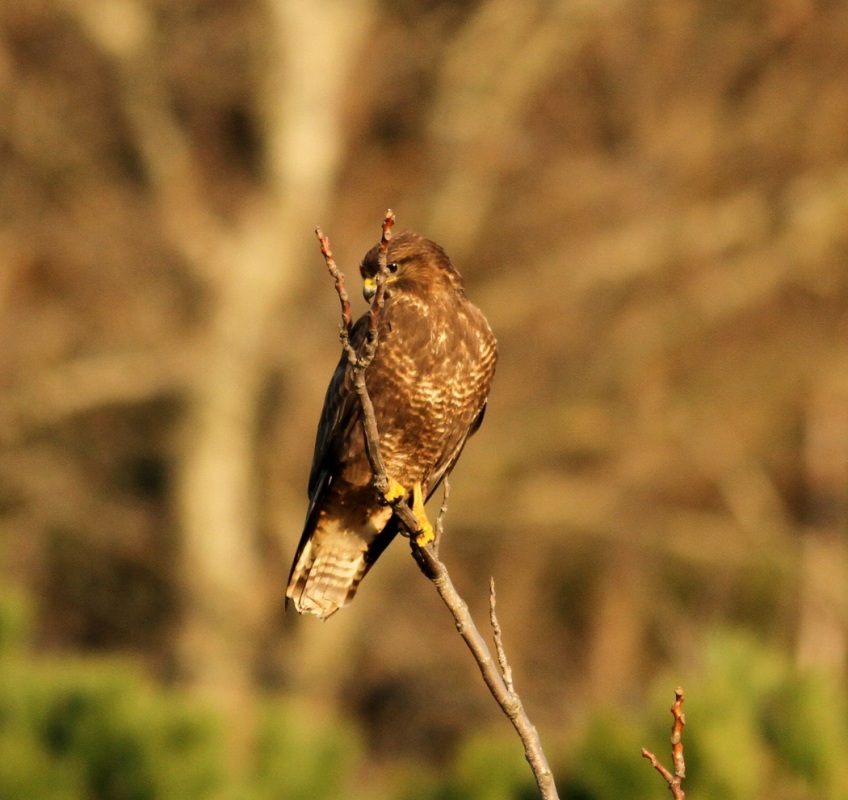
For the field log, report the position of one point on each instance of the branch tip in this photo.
(341, 290)
(503, 664)
(674, 781)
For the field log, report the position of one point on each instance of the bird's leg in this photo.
(425, 534)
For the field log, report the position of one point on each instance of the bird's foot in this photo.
(425, 534)
(395, 491)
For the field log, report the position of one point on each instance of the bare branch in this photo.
(338, 276)
(658, 766)
(439, 528)
(677, 735)
(75, 386)
(674, 781)
(370, 347)
(508, 700)
(496, 675)
(372, 437)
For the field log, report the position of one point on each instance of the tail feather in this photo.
(327, 573)
(342, 539)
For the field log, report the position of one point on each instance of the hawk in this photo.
(428, 382)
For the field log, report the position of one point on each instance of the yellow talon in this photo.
(426, 534)
(394, 492)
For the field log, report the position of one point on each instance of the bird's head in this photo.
(414, 264)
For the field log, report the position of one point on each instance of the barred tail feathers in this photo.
(327, 573)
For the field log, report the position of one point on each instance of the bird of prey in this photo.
(429, 382)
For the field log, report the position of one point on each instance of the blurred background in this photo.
(650, 202)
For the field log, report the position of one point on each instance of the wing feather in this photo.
(340, 414)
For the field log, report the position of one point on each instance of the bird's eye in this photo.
(393, 267)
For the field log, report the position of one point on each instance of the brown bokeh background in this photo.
(648, 199)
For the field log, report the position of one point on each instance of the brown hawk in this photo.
(428, 382)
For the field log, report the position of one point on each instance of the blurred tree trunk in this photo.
(823, 613)
(617, 630)
(250, 266)
(312, 48)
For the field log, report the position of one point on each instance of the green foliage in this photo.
(606, 763)
(486, 766)
(96, 729)
(491, 767)
(761, 728)
(756, 727)
(805, 723)
(14, 621)
(302, 754)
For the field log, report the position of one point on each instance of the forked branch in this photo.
(675, 780)
(496, 673)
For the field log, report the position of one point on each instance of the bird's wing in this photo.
(452, 453)
(340, 415)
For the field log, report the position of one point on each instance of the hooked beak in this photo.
(369, 288)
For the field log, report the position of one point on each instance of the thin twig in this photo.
(496, 675)
(439, 528)
(674, 781)
(369, 349)
(372, 437)
(506, 670)
(338, 276)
